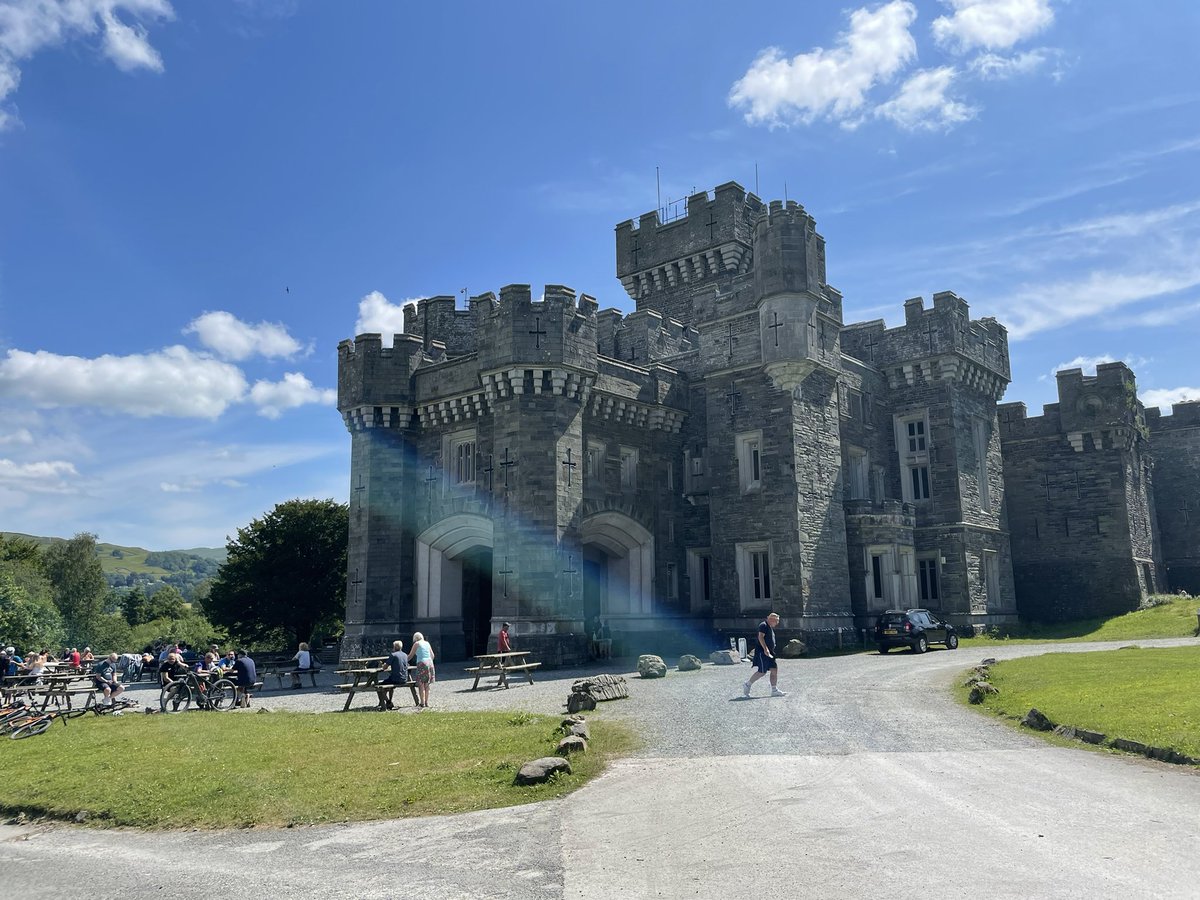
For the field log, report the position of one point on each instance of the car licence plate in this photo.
(889, 631)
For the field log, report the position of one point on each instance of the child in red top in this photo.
(502, 643)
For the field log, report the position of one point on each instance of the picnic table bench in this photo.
(280, 667)
(500, 665)
(365, 672)
(59, 689)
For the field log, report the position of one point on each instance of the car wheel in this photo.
(952, 642)
(921, 645)
(884, 648)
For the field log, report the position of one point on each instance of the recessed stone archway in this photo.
(628, 548)
(440, 550)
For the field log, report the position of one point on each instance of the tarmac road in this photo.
(867, 779)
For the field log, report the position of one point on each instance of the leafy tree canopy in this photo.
(285, 574)
(78, 582)
(27, 622)
(165, 603)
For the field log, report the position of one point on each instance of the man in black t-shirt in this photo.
(245, 675)
(764, 657)
(104, 677)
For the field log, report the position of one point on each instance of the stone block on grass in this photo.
(541, 770)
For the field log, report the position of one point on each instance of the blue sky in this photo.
(199, 200)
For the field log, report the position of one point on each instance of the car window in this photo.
(892, 619)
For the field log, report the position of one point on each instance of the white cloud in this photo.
(273, 397)
(378, 315)
(29, 26)
(922, 102)
(991, 24)
(231, 338)
(1088, 364)
(48, 476)
(168, 487)
(174, 381)
(993, 67)
(20, 436)
(1164, 397)
(829, 83)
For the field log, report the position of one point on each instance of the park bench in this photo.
(385, 691)
(285, 666)
(500, 665)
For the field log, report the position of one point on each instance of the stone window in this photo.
(858, 476)
(979, 432)
(880, 569)
(670, 475)
(749, 454)
(593, 461)
(856, 406)
(458, 450)
(991, 577)
(754, 574)
(912, 448)
(928, 581)
(672, 582)
(629, 466)
(699, 564)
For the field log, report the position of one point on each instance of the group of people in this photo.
(236, 665)
(421, 656)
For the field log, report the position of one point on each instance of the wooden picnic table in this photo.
(366, 676)
(501, 664)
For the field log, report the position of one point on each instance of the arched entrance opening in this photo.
(454, 583)
(618, 560)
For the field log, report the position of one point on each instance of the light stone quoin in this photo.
(730, 448)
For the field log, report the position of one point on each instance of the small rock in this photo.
(1037, 721)
(1066, 731)
(82, 816)
(793, 649)
(990, 661)
(540, 770)
(1089, 737)
(980, 690)
(572, 743)
(580, 729)
(724, 658)
(263, 709)
(580, 700)
(689, 663)
(566, 723)
(1128, 746)
(651, 666)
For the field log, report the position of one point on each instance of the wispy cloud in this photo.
(1163, 398)
(28, 27)
(274, 397)
(924, 102)
(231, 338)
(1088, 364)
(991, 24)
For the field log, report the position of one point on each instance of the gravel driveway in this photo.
(866, 779)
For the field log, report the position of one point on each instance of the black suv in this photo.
(915, 628)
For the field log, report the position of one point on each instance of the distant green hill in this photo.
(125, 566)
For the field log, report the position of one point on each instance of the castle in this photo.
(732, 447)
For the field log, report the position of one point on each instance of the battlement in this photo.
(558, 328)
(1185, 414)
(370, 374)
(788, 253)
(944, 330)
(1104, 400)
(438, 319)
(1016, 424)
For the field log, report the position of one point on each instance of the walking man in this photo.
(764, 657)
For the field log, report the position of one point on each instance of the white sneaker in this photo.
(776, 692)
(746, 689)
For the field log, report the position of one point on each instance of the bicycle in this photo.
(178, 696)
(34, 722)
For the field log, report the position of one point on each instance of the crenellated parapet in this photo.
(939, 344)
(557, 331)
(375, 382)
(713, 239)
(1183, 415)
(1096, 412)
(436, 320)
(653, 396)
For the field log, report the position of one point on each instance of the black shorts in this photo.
(764, 663)
(101, 685)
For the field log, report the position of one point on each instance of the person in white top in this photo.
(303, 659)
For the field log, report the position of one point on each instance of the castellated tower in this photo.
(730, 448)
(1080, 480)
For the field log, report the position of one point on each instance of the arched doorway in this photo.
(618, 556)
(454, 582)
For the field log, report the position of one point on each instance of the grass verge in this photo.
(210, 770)
(1172, 617)
(1145, 695)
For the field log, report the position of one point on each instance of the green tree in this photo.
(165, 603)
(135, 606)
(285, 576)
(27, 622)
(78, 582)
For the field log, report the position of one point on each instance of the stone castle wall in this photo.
(1175, 440)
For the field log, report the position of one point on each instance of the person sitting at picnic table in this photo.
(503, 644)
(422, 653)
(210, 663)
(13, 661)
(32, 668)
(74, 658)
(172, 669)
(303, 660)
(104, 676)
(245, 675)
(397, 669)
(88, 656)
(228, 662)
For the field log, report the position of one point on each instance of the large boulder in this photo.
(541, 770)
(651, 666)
(603, 687)
(689, 663)
(1037, 721)
(724, 658)
(580, 729)
(579, 701)
(793, 649)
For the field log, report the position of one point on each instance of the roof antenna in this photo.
(785, 193)
(658, 187)
(756, 193)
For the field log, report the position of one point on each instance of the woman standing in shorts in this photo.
(422, 654)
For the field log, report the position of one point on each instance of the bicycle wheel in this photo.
(37, 726)
(222, 694)
(175, 697)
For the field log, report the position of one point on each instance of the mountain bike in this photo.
(178, 696)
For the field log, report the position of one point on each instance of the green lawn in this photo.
(1174, 618)
(215, 770)
(1146, 695)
